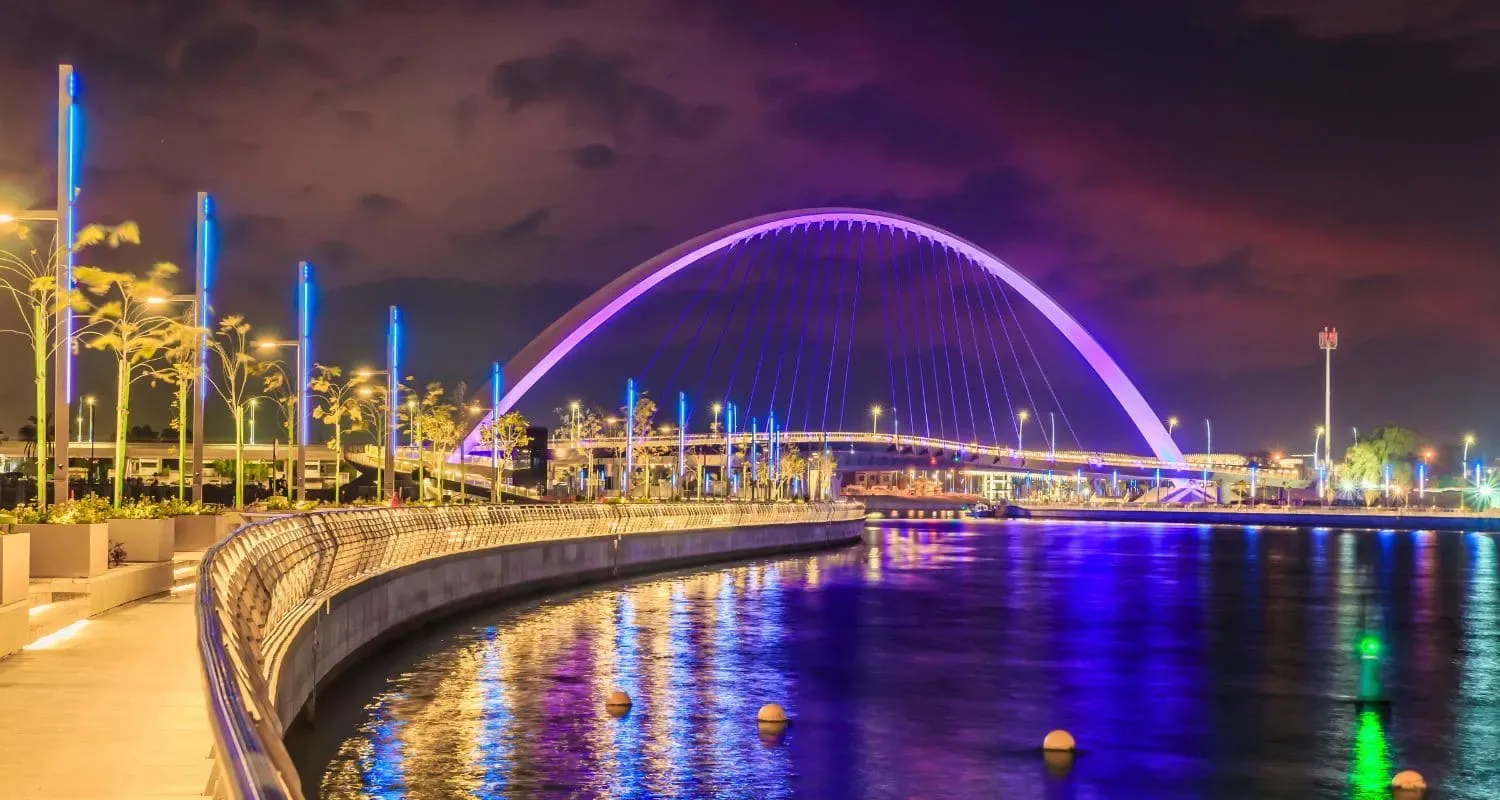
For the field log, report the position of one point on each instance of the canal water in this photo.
(1189, 662)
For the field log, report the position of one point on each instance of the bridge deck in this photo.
(114, 711)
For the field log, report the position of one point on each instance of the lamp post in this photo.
(875, 420)
(681, 481)
(1468, 440)
(463, 473)
(1171, 425)
(1422, 475)
(254, 401)
(90, 401)
(497, 383)
(1021, 418)
(1328, 341)
(574, 408)
(1208, 428)
(716, 408)
(299, 423)
(629, 438)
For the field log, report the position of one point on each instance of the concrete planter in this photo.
(201, 531)
(144, 539)
(68, 551)
(15, 567)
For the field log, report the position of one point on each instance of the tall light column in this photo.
(1328, 341)
(682, 443)
(202, 281)
(68, 153)
(629, 438)
(392, 400)
(497, 384)
(304, 360)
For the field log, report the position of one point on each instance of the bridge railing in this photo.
(258, 586)
(1226, 463)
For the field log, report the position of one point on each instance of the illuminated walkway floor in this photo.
(114, 710)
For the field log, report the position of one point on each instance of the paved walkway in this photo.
(113, 711)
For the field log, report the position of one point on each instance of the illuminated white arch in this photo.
(546, 350)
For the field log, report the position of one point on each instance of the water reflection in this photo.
(1189, 662)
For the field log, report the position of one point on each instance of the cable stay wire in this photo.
(760, 289)
(734, 302)
(853, 317)
(885, 310)
(686, 312)
(807, 404)
(979, 358)
(896, 279)
(775, 293)
(917, 327)
(791, 309)
(932, 333)
(838, 311)
(1005, 328)
(962, 356)
(729, 263)
(1045, 380)
(999, 369)
(802, 333)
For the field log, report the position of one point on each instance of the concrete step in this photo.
(185, 570)
(55, 615)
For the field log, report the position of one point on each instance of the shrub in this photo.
(85, 511)
(116, 554)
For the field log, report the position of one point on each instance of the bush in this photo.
(116, 554)
(138, 509)
(182, 508)
(85, 511)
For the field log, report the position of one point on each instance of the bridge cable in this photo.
(733, 305)
(770, 318)
(1005, 328)
(791, 303)
(728, 262)
(932, 331)
(822, 307)
(802, 333)
(917, 331)
(885, 309)
(760, 289)
(999, 369)
(974, 337)
(838, 311)
(962, 356)
(853, 316)
(1047, 382)
(686, 312)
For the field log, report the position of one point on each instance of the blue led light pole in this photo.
(304, 368)
(681, 443)
(728, 450)
(773, 468)
(69, 150)
(202, 313)
(497, 386)
(392, 400)
(629, 438)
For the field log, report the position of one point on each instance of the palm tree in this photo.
(338, 404)
(127, 324)
(237, 367)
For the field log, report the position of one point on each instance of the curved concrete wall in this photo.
(364, 614)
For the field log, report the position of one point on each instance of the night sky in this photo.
(1204, 183)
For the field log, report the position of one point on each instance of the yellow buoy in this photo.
(1059, 741)
(1408, 780)
(771, 713)
(617, 699)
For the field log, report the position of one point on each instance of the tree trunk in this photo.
(39, 348)
(182, 422)
(122, 420)
(338, 459)
(239, 456)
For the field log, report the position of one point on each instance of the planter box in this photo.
(144, 539)
(15, 567)
(68, 551)
(199, 532)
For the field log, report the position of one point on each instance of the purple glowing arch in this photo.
(542, 353)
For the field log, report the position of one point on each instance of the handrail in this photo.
(258, 586)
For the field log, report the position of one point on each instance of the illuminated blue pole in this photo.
(773, 468)
(392, 400)
(1078, 482)
(69, 152)
(1254, 471)
(1422, 480)
(203, 318)
(629, 438)
(681, 478)
(1385, 472)
(304, 369)
(1156, 481)
(1114, 483)
(728, 450)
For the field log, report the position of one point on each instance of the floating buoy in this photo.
(617, 702)
(1059, 741)
(771, 714)
(1408, 780)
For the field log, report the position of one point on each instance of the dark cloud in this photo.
(1234, 275)
(251, 230)
(879, 117)
(218, 50)
(594, 156)
(525, 230)
(376, 204)
(334, 253)
(599, 90)
(356, 121)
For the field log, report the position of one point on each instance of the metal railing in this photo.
(1219, 463)
(259, 585)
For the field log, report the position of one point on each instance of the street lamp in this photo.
(1208, 428)
(1021, 418)
(575, 407)
(90, 400)
(875, 420)
(299, 424)
(716, 408)
(254, 401)
(1328, 341)
(1171, 425)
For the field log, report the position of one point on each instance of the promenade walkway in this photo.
(114, 710)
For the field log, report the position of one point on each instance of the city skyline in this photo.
(1204, 252)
